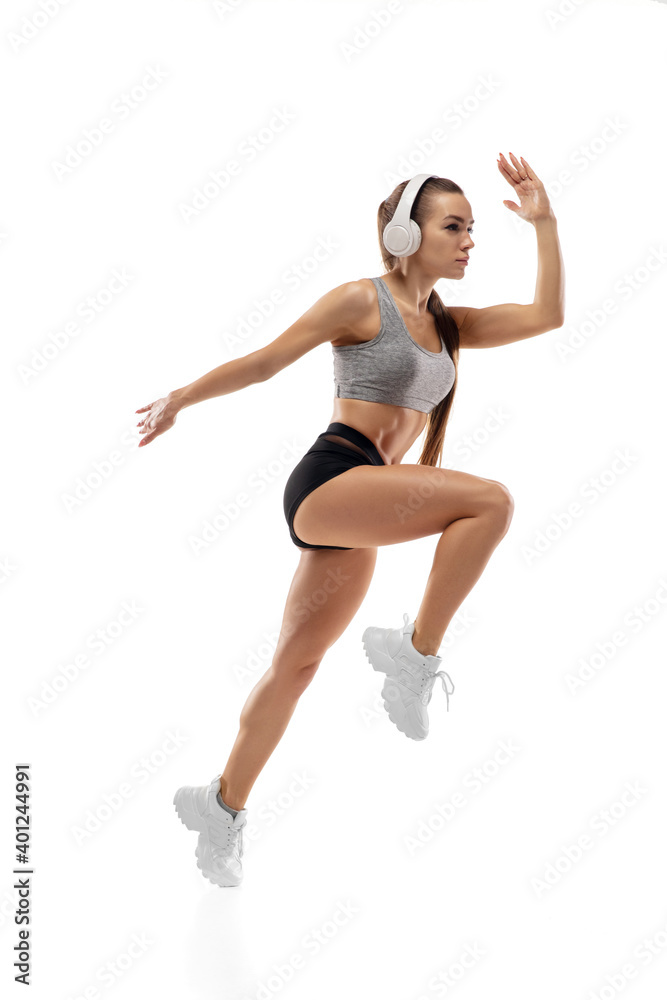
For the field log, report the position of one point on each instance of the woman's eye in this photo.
(454, 225)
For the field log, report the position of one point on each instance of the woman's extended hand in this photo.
(161, 416)
(527, 185)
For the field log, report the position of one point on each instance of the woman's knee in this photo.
(294, 673)
(499, 503)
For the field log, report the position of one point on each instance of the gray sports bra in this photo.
(392, 367)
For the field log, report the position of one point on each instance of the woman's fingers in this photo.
(160, 416)
(522, 172)
(525, 170)
(529, 170)
(509, 172)
(160, 419)
(516, 164)
(149, 437)
(142, 409)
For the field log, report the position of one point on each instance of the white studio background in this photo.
(519, 850)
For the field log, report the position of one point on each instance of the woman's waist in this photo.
(392, 429)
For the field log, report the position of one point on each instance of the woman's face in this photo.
(447, 235)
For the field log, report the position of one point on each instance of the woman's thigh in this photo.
(327, 590)
(374, 505)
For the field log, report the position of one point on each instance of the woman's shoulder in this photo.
(358, 311)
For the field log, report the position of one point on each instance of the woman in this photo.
(395, 349)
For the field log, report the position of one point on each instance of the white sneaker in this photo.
(220, 844)
(410, 676)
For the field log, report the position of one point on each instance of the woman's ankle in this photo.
(424, 645)
(229, 797)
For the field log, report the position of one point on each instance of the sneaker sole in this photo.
(193, 821)
(386, 665)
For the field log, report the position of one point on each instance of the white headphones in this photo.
(402, 235)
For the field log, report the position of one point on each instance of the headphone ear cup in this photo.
(394, 239)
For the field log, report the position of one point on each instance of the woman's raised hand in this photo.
(160, 417)
(528, 187)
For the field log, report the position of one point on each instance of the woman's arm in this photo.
(550, 284)
(324, 321)
(331, 316)
(495, 326)
(161, 413)
(230, 377)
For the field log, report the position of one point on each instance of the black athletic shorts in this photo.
(324, 460)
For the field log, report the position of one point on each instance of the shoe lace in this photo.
(226, 836)
(427, 678)
(420, 680)
(443, 675)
